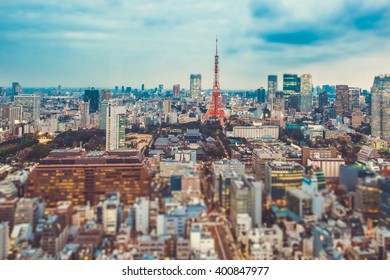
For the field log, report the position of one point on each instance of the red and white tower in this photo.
(216, 109)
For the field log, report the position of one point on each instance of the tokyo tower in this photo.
(215, 110)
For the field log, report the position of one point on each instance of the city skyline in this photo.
(115, 43)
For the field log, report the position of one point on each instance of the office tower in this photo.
(15, 117)
(54, 235)
(84, 112)
(143, 87)
(83, 177)
(354, 98)
(368, 104)
(384, 202)
(110, 209)
(4, 240)
(103, 111)
(380, 107)
(53, 123)
(116, 127)
(30, 104)
(105, 95)
(342, 100)
(272, 87)
(123, 89)
(367, 195)
(281, 176)
(128, 89)
(176, 91)
(16, 88)
(291, 84)
(306, 93)
(322, 100)
(216, 108)
(141, 207)
(93, 96)
(294, 102)
(64, 209)
(278, 106)
(116, 90)
(167, 106)
(195, 85)
(260, 95)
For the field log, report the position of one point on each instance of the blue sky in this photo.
(104, 43)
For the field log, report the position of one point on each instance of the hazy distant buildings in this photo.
(322, 100)
(380, 112)
(272, 87)
(342, 100)
(167, 107)
(195, 85)
(176, 91)
(30, 104)
(306, 93)
(116, 126)
(84, 112)
(93, 96)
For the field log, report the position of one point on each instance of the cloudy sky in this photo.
(104, 43)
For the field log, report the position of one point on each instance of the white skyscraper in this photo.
(110, 213)
(141, 207)
(116, 125)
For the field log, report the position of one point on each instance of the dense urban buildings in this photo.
(166, 172)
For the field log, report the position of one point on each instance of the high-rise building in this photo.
(294, 102)
(105, 94)
(30, 104)
(93, 96)
(367, 195)
(83, 177)
(176, 91)
(291, 84)
(354, 98)
(116, 127)
(54, 235)
(322, 100)
(103, 111)
(342, 100)
(380, 107)
(110, 209)
(260, 95)
(141, 207)
(195, 85)
(306, 93)
(16, 88)
(15, 117)
(4, 240)
(281, 176)
(272, 87)
(167, 106)
(278, 105)
(84, 112)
